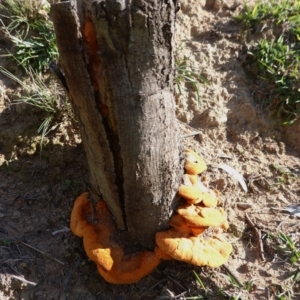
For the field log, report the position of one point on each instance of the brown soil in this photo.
(41, 259)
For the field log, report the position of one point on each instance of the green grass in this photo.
(27, 25)
(201, 284)
(36, 92)
(238, 289)
(270, 14)
(289, 247)
(48, 98)
(5, 242)
(276, 57)
(31, 32)
(184, 74)
(284, 175)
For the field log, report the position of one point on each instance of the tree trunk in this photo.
(117, 59)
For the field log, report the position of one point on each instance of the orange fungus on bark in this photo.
(195, 234)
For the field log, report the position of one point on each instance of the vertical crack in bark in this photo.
(128, 72)
(92, 62)
(115, 148)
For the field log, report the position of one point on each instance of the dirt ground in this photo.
(41, 259)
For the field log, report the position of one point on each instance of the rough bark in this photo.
(117, 58)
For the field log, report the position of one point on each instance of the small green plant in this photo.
(279, 67)
(240, 288)
(270, 13)
(283, 174)
(201, 284)
(251, 15)
(281, 292)
(49, 100)
(31, 32)
(288, 246)
(36, 91)
(231, 280)
(23, 16)
(249, 284)
(276, 59)
(5, 242)
(67, 184)
(286, 292)
(184, 74)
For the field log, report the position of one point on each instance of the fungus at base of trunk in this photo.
(113, 265)
(200, 216)
(161, 254)
(211, 252)
(189, 239)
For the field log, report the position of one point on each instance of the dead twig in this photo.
(64, 229)
(257, 233)
(7, 262)
(234, 6)
(190, 134)
(23, 280)
(181, 295)
(45, 254)
(243, 205)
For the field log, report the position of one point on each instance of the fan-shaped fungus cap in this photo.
(179, 224)
(202, 216)
(194, 164)
(130, 268)
(81, 209)
(212, 252)
(194, 192)
(211, 198)
(113, 265)
(189, 189)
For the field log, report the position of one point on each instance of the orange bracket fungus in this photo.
(113, 265)
(195, 234)
(196, 227)
(194, 164)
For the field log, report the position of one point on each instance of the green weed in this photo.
(268, 14)
(284, 175)
(36, 91)
(28, 26)
(67, 184)
(23, 16)
(276, 58)
(231, 280)
(281, 292)
(240, 288)
(201, 284)
(184, 74)
(286, 292)
(49, 100)
(288, 246)
(5, 242)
